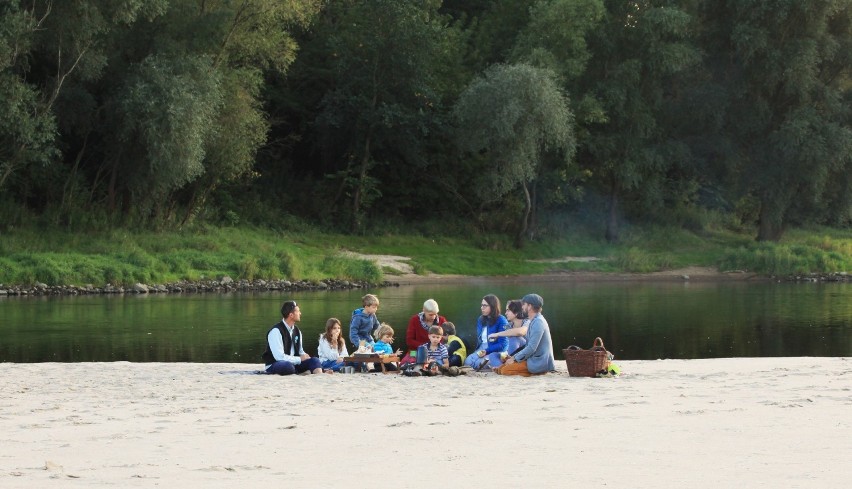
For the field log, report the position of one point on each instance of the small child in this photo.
(384, 333)
(455, 346)
(364, 321)
(434, 351)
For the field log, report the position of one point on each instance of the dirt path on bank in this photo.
(700, 274)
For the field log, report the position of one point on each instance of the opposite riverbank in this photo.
(756, 422)
(249, 259)
(228, 285)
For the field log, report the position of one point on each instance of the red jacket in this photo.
(416, 335)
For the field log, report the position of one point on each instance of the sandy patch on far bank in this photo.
(407, 275)
(386, 261)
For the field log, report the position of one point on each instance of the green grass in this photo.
(800, 252)
(124, 257)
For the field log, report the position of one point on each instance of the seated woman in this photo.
(332, 348)
(418, 328)
(491, 321)
(514, 333)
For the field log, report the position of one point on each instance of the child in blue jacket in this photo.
(364, 321)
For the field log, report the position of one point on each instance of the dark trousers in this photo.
(287, 368)
(455, 361)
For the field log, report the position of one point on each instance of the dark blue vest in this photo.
(295, 342)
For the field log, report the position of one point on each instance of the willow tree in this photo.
(27, 128)
(784, 66)
(45, 48)
(509, 118)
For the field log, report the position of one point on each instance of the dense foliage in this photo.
(486, 115)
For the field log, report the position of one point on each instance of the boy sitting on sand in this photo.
(433, 355)
(456, 349)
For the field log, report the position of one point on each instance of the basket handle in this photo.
(598, 342)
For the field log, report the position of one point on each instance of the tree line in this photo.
(503, 115)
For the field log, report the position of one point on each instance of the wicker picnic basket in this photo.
(587, 363)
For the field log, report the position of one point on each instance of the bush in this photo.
(289, 266)
(177, 264)
(248, 269)
(775, 259)
(638, 261)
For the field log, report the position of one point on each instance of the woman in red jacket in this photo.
(418, 327)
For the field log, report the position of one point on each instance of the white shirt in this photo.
(327, 352)
(276, 345)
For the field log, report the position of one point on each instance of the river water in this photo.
(637, 320)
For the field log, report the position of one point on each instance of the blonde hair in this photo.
(369, 300)
(382, 330)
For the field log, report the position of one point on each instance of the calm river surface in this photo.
(636, 320)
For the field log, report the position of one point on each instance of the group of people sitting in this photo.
(517, 343)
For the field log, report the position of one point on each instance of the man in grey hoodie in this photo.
(537, 355)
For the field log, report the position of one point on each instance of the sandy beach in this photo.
(746, 422)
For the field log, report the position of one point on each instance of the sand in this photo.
(745, 422)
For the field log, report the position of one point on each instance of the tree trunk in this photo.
(111, 188)
(770, 225)
(612, 219)
(356, 198)
(519, 238)
(533, 223)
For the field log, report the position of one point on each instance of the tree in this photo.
(637, 51)
(508, 118)
(784, 66)
(164, 114)
(382, 108)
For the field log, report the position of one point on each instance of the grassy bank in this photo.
(124, 257)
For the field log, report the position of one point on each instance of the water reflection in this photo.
(636, 320)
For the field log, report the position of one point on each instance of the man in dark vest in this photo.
(284, 353)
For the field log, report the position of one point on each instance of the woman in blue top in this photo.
(491, 321)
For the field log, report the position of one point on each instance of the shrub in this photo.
(635, 260)
(248, 268)
(289, 266)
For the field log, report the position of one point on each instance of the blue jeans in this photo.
(332, 365)
(287, 368)
(474, 361)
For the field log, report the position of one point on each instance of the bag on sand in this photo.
(587, 363)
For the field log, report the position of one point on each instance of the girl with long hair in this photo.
(490, 321)
(332, 346)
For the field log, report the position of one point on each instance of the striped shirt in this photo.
(439, 354)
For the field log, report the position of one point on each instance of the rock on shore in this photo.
(225, 284)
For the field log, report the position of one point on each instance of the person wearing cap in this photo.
(536, 357)
(285, 353)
